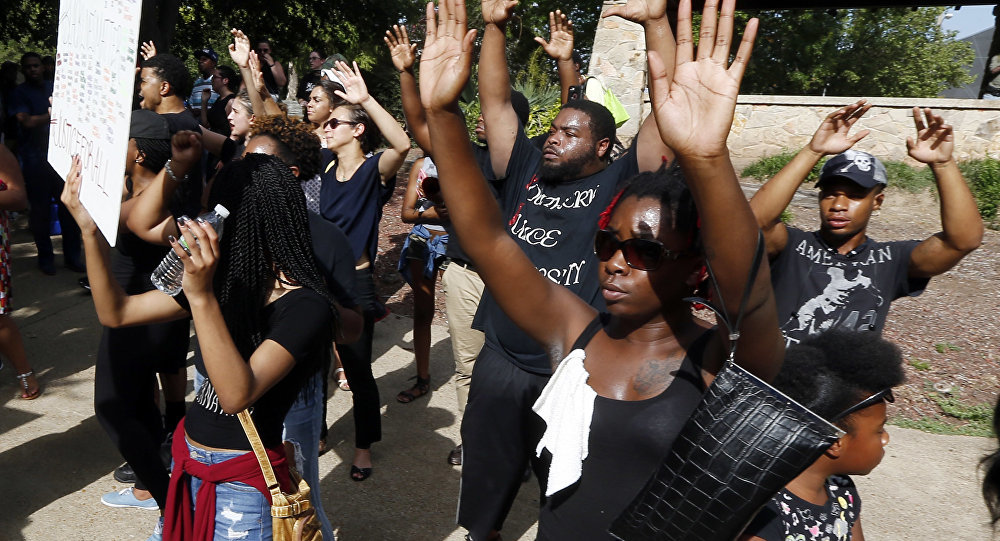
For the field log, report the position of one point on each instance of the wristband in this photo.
(170, 173)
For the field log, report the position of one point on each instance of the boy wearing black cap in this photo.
(837, 277)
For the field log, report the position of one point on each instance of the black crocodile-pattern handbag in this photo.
(744, 442)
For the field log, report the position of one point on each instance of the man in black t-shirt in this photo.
(552, 199)
(837, 277)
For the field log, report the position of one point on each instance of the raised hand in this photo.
(833, 135)
(355, 89)
(239, 49)
(935, 140)
(185, 150)
(70, 197)
(694, 109)
(638, 11)
(253, 63)
(200, 257)
(446, 61)
(560, 43)
(148, 49)
(403, 53)
(497, 11)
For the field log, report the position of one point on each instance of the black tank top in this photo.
(628, 440)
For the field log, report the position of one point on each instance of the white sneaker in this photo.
(157, 531)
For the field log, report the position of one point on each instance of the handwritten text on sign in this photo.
(92, 100)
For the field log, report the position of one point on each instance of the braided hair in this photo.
(267, 234)
(155, 152)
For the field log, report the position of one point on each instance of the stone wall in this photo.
(619, 61)
(767, 125)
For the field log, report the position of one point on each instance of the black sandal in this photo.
(360, 474)
(420, 388)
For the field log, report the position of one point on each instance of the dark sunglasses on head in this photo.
(885, 394)
(640, 254)
(334, 122)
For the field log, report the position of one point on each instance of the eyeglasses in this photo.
(334, 122)
(885, 394)
(640, 254)
(314, 58)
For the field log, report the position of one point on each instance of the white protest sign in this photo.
(92, 100)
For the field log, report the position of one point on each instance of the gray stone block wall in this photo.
(767, 125)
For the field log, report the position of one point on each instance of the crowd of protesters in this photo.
(567, 261)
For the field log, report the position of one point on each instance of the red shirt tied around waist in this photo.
(186, 520)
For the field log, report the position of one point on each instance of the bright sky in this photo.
(969, 20)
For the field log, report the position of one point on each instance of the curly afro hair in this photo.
(296, 142)
(830, 372)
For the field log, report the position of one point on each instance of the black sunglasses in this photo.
(640, 254)
(334, 122)
(885, 394)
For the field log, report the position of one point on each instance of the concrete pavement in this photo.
(56, 461)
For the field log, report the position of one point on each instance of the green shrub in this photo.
(908, 178)
(765, 168)
(542, 94)
(534, 81)
(983, 177)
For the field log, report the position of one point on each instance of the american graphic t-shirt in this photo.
(554, 224)
(818, 289)
(786, 517)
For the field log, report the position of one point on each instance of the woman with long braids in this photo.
(625, 381)
(264, 320)
(355, 185)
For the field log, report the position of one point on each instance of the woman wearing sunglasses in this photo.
(355, 185)
(625, 381)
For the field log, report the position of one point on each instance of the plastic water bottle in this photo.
(169, 273)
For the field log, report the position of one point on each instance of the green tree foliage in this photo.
(865, 52)
(28, 25)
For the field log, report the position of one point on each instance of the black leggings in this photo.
(127, 362)
(357, 360)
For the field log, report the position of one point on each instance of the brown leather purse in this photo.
(293, 517)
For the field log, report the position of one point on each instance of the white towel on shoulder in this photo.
(567, 407)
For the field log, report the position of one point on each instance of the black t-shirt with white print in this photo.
(300, 321)
(818, 289)
(554, 224)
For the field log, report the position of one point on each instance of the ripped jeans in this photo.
(302, 427)
(241, 511)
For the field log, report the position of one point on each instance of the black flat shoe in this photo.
(360, 474)
(124, 474)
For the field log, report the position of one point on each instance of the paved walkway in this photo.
(56, 461)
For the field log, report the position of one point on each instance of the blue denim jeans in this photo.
(302, 427)
(241, 511)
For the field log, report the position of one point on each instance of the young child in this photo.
(847, 378)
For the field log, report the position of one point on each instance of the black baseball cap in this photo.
(857, 166)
